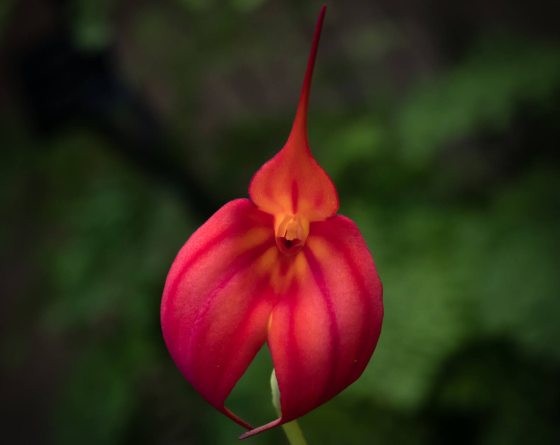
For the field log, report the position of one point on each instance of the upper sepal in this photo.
(292, 182)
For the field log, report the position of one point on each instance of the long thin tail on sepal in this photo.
(237, 419)
(299, 128)
(260, 429)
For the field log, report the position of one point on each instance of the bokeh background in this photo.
(125, 124)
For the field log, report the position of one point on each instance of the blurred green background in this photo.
(125, 124)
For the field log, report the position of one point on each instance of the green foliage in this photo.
(5, 9)
(92, 23)
(481, 92)
(117, 235)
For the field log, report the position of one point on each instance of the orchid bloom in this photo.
(282, 268)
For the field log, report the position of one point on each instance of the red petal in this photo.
(216, 302)
(292, 182)
(322, 333)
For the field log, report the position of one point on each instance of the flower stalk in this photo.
(291, 429)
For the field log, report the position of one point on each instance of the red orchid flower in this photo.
(281, 268)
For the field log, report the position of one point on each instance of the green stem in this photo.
(294, 433)
(292, 429)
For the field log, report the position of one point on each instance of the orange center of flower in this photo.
(291, 232)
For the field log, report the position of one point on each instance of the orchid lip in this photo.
(289, 247)
(291, 232)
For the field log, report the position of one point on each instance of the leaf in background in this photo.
(481, 92)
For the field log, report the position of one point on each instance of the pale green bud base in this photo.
(292, 429)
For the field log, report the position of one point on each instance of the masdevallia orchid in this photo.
(280, 268)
